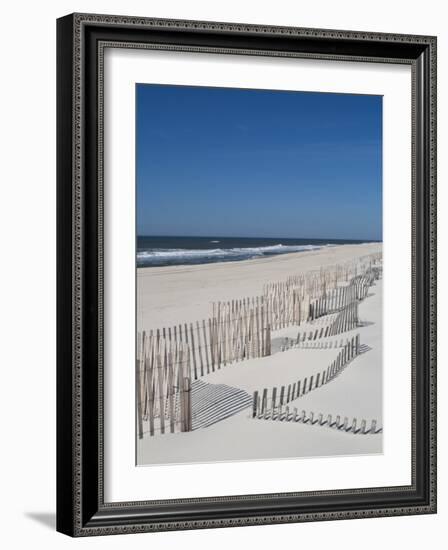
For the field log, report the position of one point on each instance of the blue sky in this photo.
(258, 163)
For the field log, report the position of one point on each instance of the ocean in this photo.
(163, 251)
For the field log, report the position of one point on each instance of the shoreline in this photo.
(169, 295)
(259, 258)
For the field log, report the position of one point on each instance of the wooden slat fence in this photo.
(285, 306)
(313, 282)
(317, 293)
(341, 297)
(169, 359)
(336, 422)
(266, 402)
(291, 343)
(345, 320)
(242, 330)
(163, 386)
(222, 339)
(332, 301)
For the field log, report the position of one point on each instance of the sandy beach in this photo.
(168, 296)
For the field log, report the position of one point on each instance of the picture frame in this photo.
(81, 506)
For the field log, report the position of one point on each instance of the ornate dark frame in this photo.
(81, 39)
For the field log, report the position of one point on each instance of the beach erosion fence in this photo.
(170, 359)
(329, 421)
(269, 402)
(237, 330)
(306, 297)
(163, 386)
(345, 320)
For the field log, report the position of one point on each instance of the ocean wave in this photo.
(173, 256)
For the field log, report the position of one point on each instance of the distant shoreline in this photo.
(252, 260)
(158, 251)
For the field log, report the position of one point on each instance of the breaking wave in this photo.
(179, 256)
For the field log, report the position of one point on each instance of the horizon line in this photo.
(263, 237)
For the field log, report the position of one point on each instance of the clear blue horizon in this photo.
(258, 163)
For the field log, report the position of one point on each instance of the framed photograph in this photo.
(246, 274)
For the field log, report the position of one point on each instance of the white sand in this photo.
(170, 295)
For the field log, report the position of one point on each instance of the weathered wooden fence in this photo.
(315, 282)
(244, 330)
(332, 301)
(163, 380)
(266, 403)
(169, 359)
(307, 296)
(341, 297)
(336, 422)
(227, 337)
(345, 320)
(290, 343)
(286, 306)
(362, 283)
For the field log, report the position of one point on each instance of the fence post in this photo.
(161, 400)
(268, 339)
(205, 346)
(274, 397)
(150, 360)
(193, 350)
(170, 389)
(282, 394)
(211, 344)
(255, 404)
(139, 400)
(188, 405)
(264, 401)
